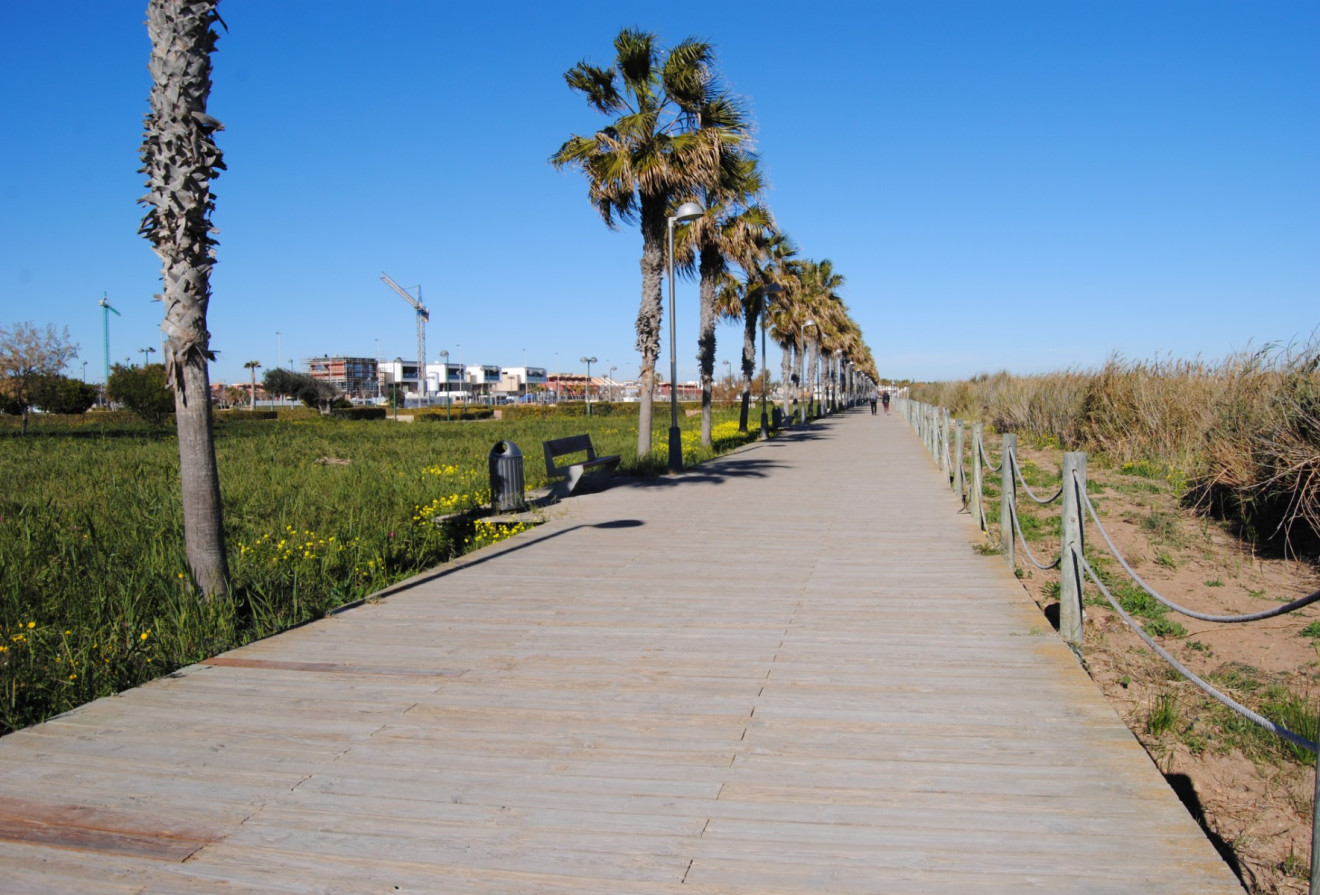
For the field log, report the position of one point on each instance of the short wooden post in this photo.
(1071, 545)
(1315, 832)
(944, 443)
(1007, 499)
(958, 459)
(978, 511)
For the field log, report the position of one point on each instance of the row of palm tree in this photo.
(676, 135)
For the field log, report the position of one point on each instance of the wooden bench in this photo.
(572, 472)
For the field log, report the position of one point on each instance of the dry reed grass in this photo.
(1239, 438)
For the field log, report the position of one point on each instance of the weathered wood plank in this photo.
(771, 685)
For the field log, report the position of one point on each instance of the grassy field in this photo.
(95, 594)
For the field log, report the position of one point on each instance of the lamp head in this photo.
(688, 211)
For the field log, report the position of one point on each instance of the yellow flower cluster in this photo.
(486, 533)
(441, 470)
(293, 545)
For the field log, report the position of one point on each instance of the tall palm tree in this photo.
(253, 365)
(729, 229)
(180, 159)
(667, 136)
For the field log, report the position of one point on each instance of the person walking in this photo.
(873, 399)
(884, 399)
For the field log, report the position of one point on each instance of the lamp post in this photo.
(588, 361)
(145, 352)
(449, 395)
(688, 211)
(84, 363)
(612, 369)
(809, 378)
(770, 289)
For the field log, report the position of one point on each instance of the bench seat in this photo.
(572, 473)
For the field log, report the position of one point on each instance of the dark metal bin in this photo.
(506, 478)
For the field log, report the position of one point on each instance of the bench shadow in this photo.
(495, 552)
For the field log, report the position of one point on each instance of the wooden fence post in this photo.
(944, 444)
(1007, 499)
(958, 459)
(978, 511)
(1071, 544)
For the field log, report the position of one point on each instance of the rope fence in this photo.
(934, 426)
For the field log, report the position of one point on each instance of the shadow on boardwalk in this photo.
(787, 675)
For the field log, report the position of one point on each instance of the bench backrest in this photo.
(573, 444)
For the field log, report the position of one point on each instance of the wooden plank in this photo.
(770, 685)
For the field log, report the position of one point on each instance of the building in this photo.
(356, 377)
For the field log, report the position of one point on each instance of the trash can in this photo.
(506, 478)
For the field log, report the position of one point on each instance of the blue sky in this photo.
(1027, 186)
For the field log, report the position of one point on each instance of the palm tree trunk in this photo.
(649, 314)
(180, 159)
(786, 377)
(751, 317)
(710, 271)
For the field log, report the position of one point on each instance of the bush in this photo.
(358, 413)
(142, 390)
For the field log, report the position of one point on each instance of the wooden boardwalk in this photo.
(785, 672)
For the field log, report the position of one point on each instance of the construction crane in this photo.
(105, 330)
(423, 315)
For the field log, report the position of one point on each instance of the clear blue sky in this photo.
(1011, 185)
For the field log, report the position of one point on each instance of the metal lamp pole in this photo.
(449, 394)
(587, 390)
(766, 292)
(688, 211)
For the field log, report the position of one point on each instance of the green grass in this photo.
(95, 594)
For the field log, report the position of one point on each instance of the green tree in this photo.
(142, 390)
(254, 366)
(299, 386)
(28, 354)
(60, 394)
(180, 158)
(668, 134)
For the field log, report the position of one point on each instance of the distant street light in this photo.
(84, 363)
(449, 395)
(688, 211)
(588, 361)
(612, 369)
(145, 352)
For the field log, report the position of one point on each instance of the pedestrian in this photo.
(873, 397)
(884, 399)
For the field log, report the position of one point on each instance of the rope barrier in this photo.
(1017, 470)
(1023, 538)
(1227, 701)
(986, 457)
(1192, 613)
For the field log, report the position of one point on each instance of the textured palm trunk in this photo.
(751, 318)
(650, 314)
(786, 376)
(710, 271)
(180, 159)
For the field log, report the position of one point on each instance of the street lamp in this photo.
(84, 363)
(688, 211)
(145, 352)
(588, 361)
(612, 369)
(770, 289)
(810, 374)
(449, 395)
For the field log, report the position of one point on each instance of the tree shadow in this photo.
(1186, 792)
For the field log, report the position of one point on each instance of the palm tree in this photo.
(253, 365)
(728, 229)
(180, 158)
(670, 129)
